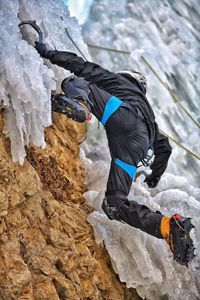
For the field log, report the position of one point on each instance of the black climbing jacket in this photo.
(121, 106)
(128, 91)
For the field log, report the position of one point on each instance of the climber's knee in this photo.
(111, 206)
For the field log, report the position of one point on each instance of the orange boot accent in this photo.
(165, 231)
(165, 226)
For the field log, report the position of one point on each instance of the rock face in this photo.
(47, 248)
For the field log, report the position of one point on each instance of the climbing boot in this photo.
(75, 108)
(176, 231)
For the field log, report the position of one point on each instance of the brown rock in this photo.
(47, 247)
(1, 119)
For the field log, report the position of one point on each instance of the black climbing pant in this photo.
(128, 141)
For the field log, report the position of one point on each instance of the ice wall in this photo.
(80, 9)
(166, 33)
(27, 79)
(142, 261)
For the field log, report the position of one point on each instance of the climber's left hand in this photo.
(42, 49)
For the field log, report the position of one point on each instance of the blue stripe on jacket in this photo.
(111, 106)
(130, 169)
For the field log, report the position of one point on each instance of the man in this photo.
(119, 103)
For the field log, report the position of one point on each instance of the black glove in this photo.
(152, 180)
(42, 49)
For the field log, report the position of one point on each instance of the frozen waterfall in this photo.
(26, 79)
(142, 261)
(166, 33)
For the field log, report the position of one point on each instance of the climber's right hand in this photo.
(42, 49)
(152, 180)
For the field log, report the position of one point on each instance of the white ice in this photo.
(142, 261)
(79, 8)
(166, 33)
(26, 79)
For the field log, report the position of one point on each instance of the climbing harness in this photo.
(111, 106)
(148, 160)
(129, 169)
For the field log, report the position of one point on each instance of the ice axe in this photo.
(39, 31)
(36, 27)
(61, 103)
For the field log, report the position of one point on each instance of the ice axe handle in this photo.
(36, 27)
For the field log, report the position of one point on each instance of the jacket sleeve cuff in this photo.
(51, 53)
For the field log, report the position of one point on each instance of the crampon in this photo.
(72, 108)
(179, 239)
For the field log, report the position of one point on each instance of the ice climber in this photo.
(118, 101)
